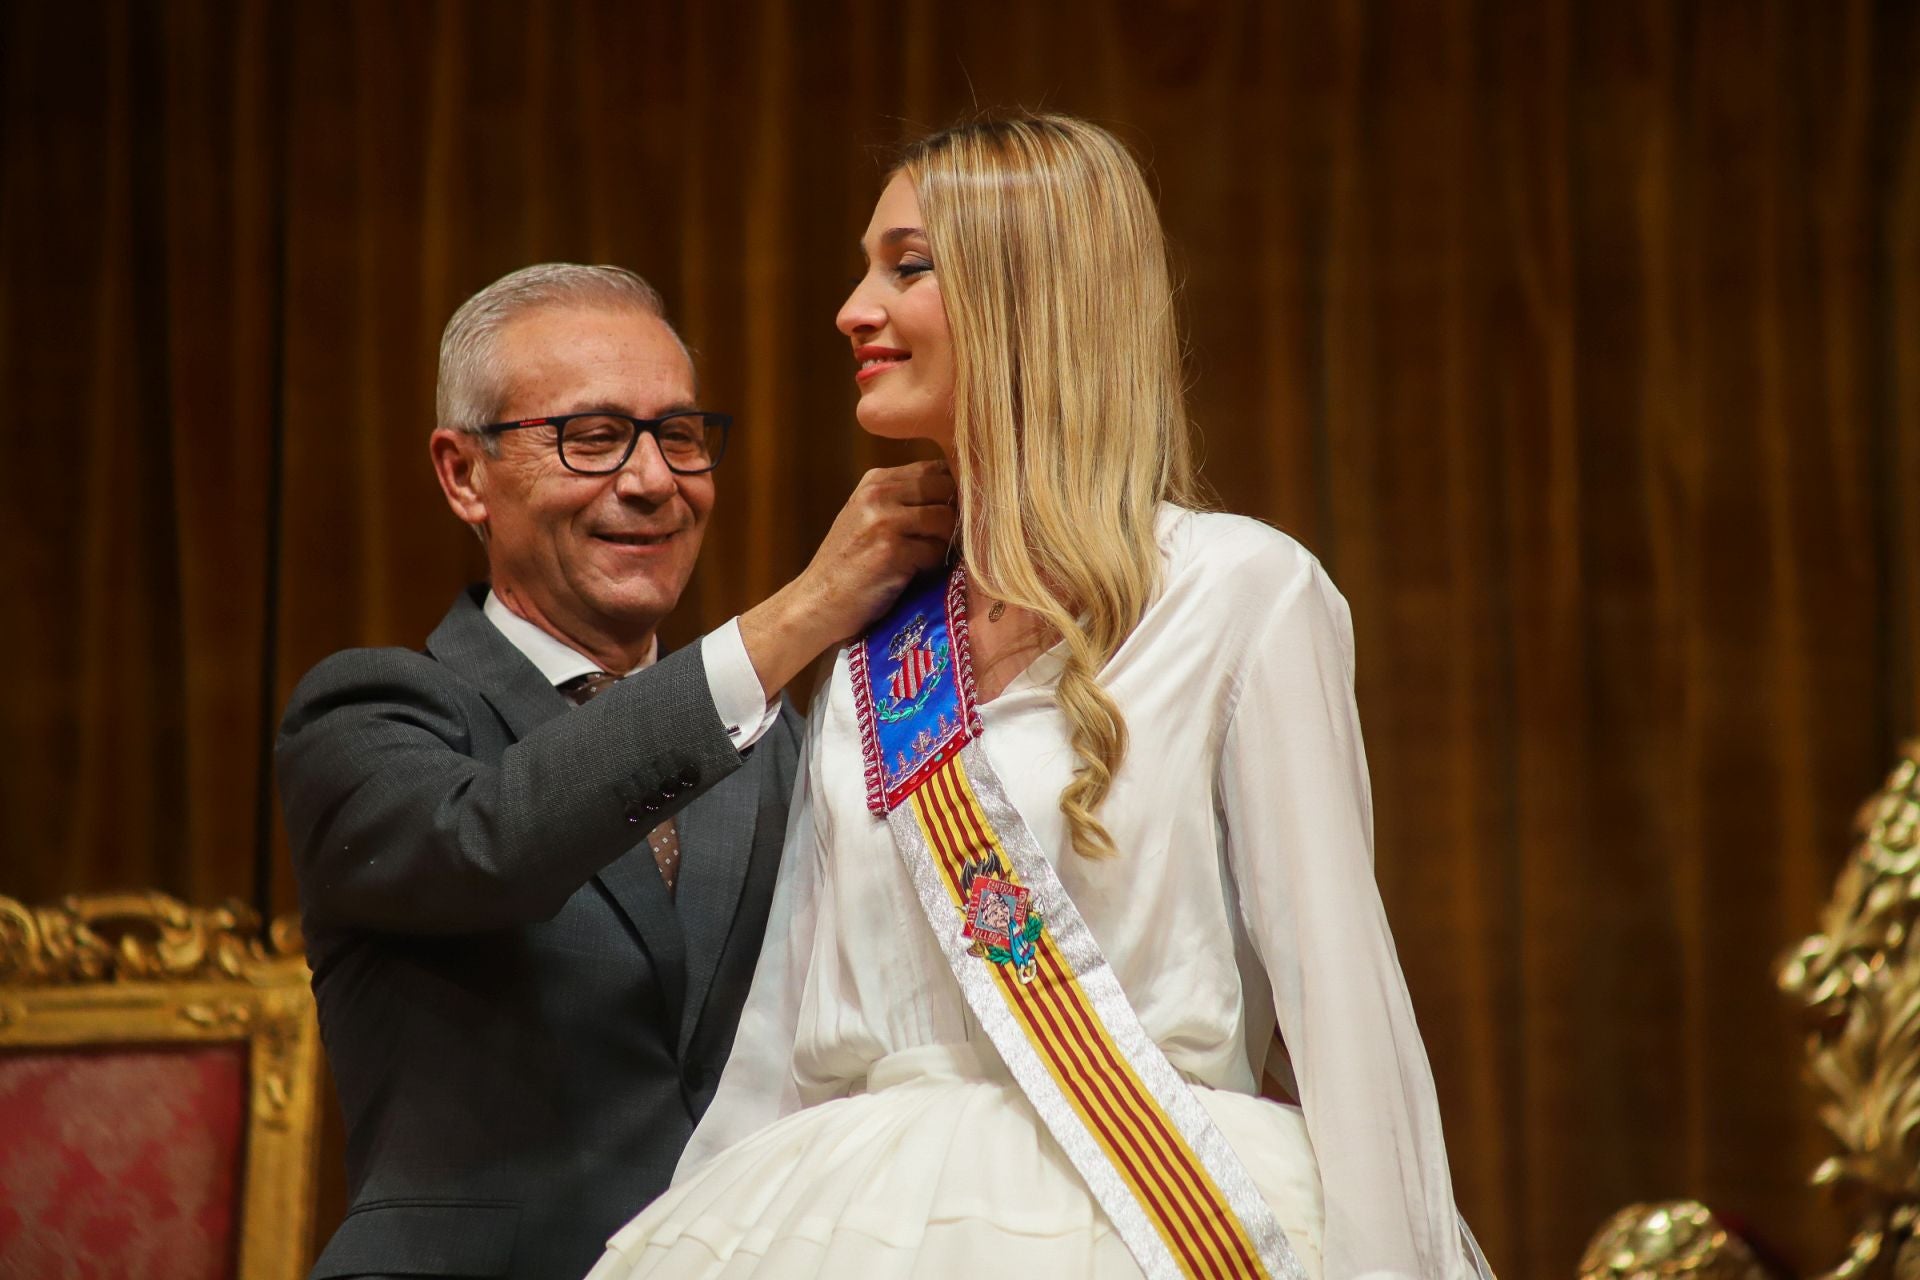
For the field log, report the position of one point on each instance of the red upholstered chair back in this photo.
(157, 1094)
(122, 1161)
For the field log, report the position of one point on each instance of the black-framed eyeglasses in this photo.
(599, 443)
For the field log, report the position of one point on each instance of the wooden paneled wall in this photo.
(1580, 339)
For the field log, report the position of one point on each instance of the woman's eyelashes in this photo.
(904, 270)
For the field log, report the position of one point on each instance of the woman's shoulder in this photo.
(1233, 555)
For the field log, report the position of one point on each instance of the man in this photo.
(533, 892)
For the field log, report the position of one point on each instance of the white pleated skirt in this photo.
(940, 1169)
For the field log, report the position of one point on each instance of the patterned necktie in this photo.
(664, 839)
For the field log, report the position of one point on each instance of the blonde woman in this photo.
(1078, 825)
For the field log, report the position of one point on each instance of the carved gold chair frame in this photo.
(145, 969)
(1858, 982)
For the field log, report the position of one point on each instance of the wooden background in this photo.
(1582, 341)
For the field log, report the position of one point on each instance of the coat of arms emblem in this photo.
(1001, 922)
(917, 668)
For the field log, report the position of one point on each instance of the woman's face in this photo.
(898, 326)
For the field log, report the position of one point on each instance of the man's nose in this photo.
(646, 475)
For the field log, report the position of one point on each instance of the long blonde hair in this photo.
(1070, 420)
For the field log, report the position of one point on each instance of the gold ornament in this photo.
(1858, 981)
(1671, 1238)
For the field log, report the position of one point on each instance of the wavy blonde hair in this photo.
(1070, 420)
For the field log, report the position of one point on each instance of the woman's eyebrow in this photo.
(890, 237)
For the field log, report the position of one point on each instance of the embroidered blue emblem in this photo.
(918, 665)
(913, 688)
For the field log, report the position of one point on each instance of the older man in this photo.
(535, 859)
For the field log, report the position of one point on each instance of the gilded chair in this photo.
(158, 1092)
(1858, 981)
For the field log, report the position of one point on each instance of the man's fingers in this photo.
(917, 491)
(916, 484)
(928, 522)
(938, 488)
(922, 555)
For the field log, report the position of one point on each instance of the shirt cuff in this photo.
(737, 695)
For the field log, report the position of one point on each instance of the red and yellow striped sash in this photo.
(1182, 1201)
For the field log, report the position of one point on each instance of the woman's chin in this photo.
(877, 421)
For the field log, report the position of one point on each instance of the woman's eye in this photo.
(909, 268)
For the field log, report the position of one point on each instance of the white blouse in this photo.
(1244, 891)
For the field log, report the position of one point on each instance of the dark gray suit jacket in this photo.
(523, 1026)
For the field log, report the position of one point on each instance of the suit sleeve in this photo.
(1294, 791)
(396, 826)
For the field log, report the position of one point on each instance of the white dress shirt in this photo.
(737, 696)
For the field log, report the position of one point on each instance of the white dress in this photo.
(866, 1127)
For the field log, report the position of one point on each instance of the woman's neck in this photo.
(1004, 640)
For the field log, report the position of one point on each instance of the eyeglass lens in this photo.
(595, 443)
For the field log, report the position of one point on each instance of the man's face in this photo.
(591, 556)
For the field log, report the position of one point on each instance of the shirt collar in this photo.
(557, 660)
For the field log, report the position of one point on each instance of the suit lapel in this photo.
(472, 646)
(466, 642)
(633, 882)
(716, 842)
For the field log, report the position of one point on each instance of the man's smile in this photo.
(636, 535)
(637, 541)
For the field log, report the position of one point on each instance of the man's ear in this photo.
(460, 465)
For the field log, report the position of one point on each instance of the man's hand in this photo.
(898, 523)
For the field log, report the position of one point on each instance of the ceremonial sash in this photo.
(1030, 968)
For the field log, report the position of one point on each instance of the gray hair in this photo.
(472, 384)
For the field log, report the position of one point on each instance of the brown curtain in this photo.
(1581, 340)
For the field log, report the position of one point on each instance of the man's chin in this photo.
(632, 598)
(621, 582)
(636, 612)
